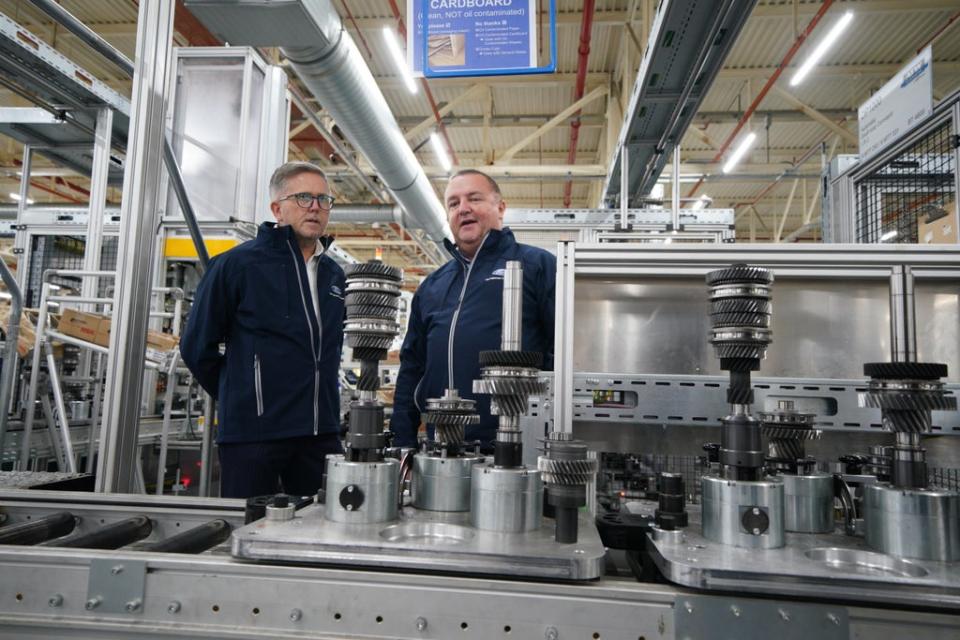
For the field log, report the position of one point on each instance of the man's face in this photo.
(308, 223)
(473, 209)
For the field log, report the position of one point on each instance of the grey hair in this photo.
(289, 170)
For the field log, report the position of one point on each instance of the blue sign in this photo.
(448, 38)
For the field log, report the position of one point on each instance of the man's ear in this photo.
(275, 208)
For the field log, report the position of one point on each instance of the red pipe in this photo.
(766, 87)
(586, 27)
(401, 27)
(350, 17)
(939, 32)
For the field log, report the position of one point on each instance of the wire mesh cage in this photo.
(911, 190)
(65, 252)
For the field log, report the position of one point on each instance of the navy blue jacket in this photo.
(278, 377)
(423, 357)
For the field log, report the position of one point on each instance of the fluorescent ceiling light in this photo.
(889, 235)
(822, 48)
(440, 152)
(399, 59)
(16, 198)
(745, 145)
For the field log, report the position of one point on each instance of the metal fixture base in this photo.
(423, 540)
(506, 500)
(442, 484)
(913, 523)
(361, 492)
(743, 513)
(808, 502)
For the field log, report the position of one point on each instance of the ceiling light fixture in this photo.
(440, 152)
(822, 48)
(702, 202)
(16, 198)
(745, 145)
(399, 59)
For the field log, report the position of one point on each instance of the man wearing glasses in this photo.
(277, 304)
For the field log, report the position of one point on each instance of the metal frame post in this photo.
(563, 340)
(141, 203)
(624, 186)
(675, 194)
(206, 447)
(10, 350)
(20, 242)
(98, 202)
(61, 409)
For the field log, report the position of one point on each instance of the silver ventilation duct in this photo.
(311, 35)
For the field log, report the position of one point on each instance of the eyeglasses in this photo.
(304, 200)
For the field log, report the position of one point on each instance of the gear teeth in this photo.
(371, 311)
(510, 386)
(744, 319)
(905, 370)
(567, 472)
(907, 421)
(448, 433)
(737, 350)
(444, 418)
(785, 449)
(504, 405)
(892, 401)
(373, 268)
(532, 359)
(361, 353)
(372, 299)
(741, 305)
(778, 432)
(740, 273)
(366, 341)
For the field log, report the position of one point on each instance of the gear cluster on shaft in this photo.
(449, 416)
(509, 387)
(787, 430)
(740, 311)
(566, 470)
(906, 393)
(372, 303)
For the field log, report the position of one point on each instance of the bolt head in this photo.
(117, 570)
(295, 615)
(55, 600)
(421, 624)
(173, 607)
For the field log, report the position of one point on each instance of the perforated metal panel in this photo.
(64, 252)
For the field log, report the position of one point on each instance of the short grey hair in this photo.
(290, 170)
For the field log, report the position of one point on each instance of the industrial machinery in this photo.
(362, 483)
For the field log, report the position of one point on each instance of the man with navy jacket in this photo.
(455, 314)
(276, 303)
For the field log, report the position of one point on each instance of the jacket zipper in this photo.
(258, 385)
(313, 347)
(456, 314)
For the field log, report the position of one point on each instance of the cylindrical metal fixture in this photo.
(808, 503)
(506, 500)
(903, 318)
(913, 523)
(195, 540)
(512, 306)
(442, 484)
(361, 491)
(39, 530)
(743, 514)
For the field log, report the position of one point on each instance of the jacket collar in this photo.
(279, 237)
(495, 241)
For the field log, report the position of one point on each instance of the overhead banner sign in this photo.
(899, 105)
(448, 38)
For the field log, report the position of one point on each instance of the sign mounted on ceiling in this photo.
(898, 106)
(450, 38)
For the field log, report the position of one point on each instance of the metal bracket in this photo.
(116, 586)
(707, 617)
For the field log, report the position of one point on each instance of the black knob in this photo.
(281, 500)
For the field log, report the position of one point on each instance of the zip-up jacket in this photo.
(468, 296)
(278, 376)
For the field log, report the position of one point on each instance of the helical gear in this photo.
(450, 415)
(509, 388)
(740, 311)
(906, 402)
(567, 472)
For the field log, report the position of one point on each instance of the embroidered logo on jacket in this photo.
(496, 274)
(336, 291)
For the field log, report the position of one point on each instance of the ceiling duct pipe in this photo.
(312, 37)
(368, 214)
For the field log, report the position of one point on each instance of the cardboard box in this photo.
(162, 341)
(942, 230)
(82, 325)
(27, 334)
